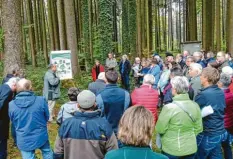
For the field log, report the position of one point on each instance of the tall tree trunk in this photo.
(229, 26)
(115, 30)
(207, 25)
(150, 18)
(218, 26)
(50, 23)
(61, 24)
(35, 24)
(132, 16)
(90, 28)
(191, 15)
(31, 32)
(125, 27)
(44, 37)
(147, 28)
(105, 27)
(139, 35)
(71, 34)
(55, 25)
(13, 40)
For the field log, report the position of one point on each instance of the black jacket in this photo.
(6, 96)
(126, 68)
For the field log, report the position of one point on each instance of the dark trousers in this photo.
(192, 156)
(3, 149)
(125, 81)
(13, 133)
(226, 145)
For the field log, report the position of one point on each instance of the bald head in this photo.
(24, 85)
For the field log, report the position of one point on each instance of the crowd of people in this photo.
(193, 93)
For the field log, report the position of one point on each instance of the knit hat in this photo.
(86, 99)
(168, 54)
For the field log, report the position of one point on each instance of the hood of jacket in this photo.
(71, 107)
(25, 99)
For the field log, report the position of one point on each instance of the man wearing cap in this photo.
(98, 85)
(86, 135)
(51, 90)
(169, 57)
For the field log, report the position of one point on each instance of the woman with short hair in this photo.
(179, 122)
(135, 132)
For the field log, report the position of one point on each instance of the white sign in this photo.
(63, 61)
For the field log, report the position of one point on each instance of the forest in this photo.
(30, 29)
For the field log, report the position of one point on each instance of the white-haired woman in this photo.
(125, 68)
(179, 122)
(195, 70)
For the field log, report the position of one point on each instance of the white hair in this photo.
(149, 79)
(180, 84)
(12, 81)
(225, 79)
(24, 85)
(198, 54)
(101, 76)
(196, 67)
(227, 70)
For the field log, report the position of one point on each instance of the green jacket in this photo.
(128, 152)
(51, 86)
(178, 131)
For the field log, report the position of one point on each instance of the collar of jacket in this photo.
(51, 71)
(146, 86)
(209, 87)
(111, 86)
(87, 115)
(181, 97)
(25, 93)
(193, 78)
(100, 80)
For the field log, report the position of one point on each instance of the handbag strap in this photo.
(186, 111)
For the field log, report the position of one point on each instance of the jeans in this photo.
(45, 149)
(226, 145)
(125, 81)
(210, 146)
(3, 149)
(192, 156)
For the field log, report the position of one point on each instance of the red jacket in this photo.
(231, 86)
(147, 97)
(93, 71)
(228, 117)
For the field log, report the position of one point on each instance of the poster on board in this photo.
(63, 61)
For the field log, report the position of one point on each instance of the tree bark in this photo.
(218, 26)
(125, 27)
(61, 24)
(71, 34)
(13, 40)
(229, 30)
(31, 32)
(44, 37)
(191, 15)
(139, 35)
(50, 25)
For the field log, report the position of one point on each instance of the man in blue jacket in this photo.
(29, 114)
(6, 94)
(86, 135)
(155, 71)
(113, 101)
(209, 141)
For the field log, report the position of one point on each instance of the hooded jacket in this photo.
(84, 136)
(67, 110)
(29, 114)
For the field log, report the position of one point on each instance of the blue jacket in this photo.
(155, 71)
(6, 96)
(6, 79)
(29, 114)
(113, 101)
(213, 96)
(84, 136)
(202, 63)
(210, 60)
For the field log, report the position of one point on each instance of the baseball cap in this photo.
(168, 54)
(86, 99)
